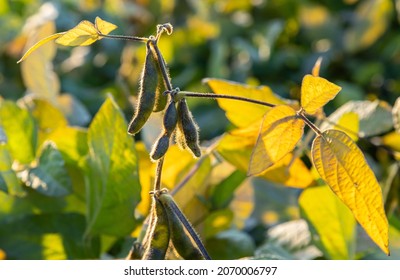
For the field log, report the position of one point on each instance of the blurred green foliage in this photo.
(257, 42)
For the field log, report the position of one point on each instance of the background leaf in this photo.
(47, 236)
(112, 183)
(20, 129)
(333, 223)
(243, 114)
(9, 182)
(374, 116)
(49, 177)
(343, 167)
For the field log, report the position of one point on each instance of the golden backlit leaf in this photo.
(39, 44)
(343, 167)
(37, 68)
(316, 92)
(239, 113)
(85, 33)
(103, 26)
(392, 140)
(350, 124)
(281, 130)
(331, 220)
(236, 148)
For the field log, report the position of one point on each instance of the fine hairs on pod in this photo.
(187, 134)
(147, 92)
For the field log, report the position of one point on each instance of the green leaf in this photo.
(50, 236)
(331, 220)
(20, 130)
(223, 192)
(50, 176)
(230, 244)
(9, 182)
(112, 184)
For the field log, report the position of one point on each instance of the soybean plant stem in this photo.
(124, 37)
(224, 96)
(157, 182)
(309, 123)
(163, 66)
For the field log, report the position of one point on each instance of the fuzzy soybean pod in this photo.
(159, 233)
(161, 98)
(187, 134)
(147, 92)
(184, 238)
(170, 120)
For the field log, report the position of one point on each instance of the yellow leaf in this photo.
(331, 220)
(392, 140)
(37, 69)
(341, 164)
(39, 44)
(85, 33)
(350, 124)
(103, 26)
(236, 148)
(239, 113)
(317, 66)
(281, 130)
(316, 92)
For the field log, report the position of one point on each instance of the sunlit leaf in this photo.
(71, 142)
(103, 26)
(375, 117)
(20, 130)
(243, 114)
(39, 44)
(316, 92)
(392, 140)
(112, 183)
(85, 33)
(331, 220)
(237, 147)
(316, 67)
(50, 176)
(37, 70)
(369, 22)
(9, 182)
(343, 167)
(281, 130)
(396, 115)
(350, 124)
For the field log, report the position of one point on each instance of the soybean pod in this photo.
(184, 238)
(187, 135)
(147, 92)
(159, 233)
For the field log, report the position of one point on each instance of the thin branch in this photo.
(157, 181)
(309, 123)
(224, 96)
(163, 65)
(124, 37)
